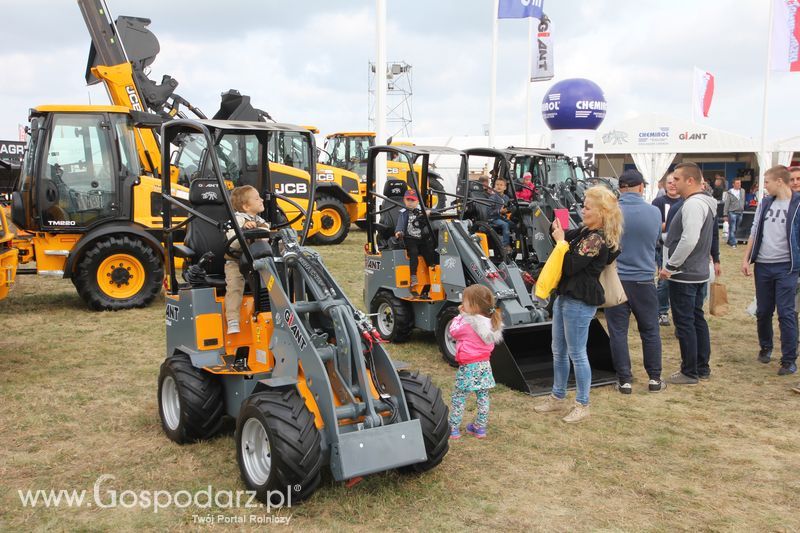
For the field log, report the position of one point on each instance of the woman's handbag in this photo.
(551, 272)
(612, 286)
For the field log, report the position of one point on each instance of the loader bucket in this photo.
(524, 361)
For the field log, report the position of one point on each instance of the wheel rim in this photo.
(256, 451)
(330, 222)
(385, 319)
(449, 341)
(120, 276)
(170, 403)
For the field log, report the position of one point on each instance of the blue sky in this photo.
(306, 61)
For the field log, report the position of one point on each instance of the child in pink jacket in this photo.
(476, 330)
(526, 190)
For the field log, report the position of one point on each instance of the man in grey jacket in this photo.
(732, 208)
(688, 249)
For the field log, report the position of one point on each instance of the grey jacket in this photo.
(688, 244)
(731, 203)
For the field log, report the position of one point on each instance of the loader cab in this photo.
(240, 155)
(350, 151)
(79, 170)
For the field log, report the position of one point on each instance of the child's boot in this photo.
(475, 430)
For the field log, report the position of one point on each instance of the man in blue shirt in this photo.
(637, 269)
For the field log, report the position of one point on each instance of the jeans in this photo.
(733, 224)
(505, 227)
(643, 303)
(571, 319)
(662, 285)
(775, 287)
(691, 327)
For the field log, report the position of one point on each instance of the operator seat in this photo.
(394, 190)
(203, 237)
(477, 211)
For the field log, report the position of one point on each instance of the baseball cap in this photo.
(411, 194)
(631, 178)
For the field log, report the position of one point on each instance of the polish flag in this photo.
(703, 91)
(785, 44)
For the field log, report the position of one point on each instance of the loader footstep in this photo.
(352, 482)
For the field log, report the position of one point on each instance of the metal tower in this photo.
(398, 98)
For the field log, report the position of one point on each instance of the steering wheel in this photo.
(250, 235)
(303, 212)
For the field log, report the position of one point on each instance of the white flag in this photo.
(703, 92)
(785, 36)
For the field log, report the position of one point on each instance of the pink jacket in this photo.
(524, 193)
(475, 338)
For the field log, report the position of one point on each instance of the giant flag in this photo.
(703, 91)
(786, 36)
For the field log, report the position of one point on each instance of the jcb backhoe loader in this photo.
(89, 196)
(524, 360)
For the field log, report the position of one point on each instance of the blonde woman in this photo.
(591, 247)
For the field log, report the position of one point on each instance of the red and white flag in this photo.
(785, 36)
(703, 92)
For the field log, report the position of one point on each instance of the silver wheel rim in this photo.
(256, 452)
(385, 319)
(170, 403)
(449, 341)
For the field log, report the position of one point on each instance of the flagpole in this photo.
(764, 164)
(528, 83)
(694, 92)
(380, 90)
(493, 76)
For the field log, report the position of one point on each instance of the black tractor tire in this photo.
(293, 444)
(393, 318)
(447, 345)
(146, 263)
(425, 403)
(335, 214)
(200, 400)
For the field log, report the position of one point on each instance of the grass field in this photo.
(78, 396)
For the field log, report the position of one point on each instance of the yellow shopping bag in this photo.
(551, 273)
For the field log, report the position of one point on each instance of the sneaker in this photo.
(704, 377)
(413, 280)
(656, 385)
(624, 388)
(733, 245)
(233, 326)
(787, 368)
(764, 355)
(578, 413)
(551, 404)
(663, 320)
(476, 431)
(679, 378)
(455, 434)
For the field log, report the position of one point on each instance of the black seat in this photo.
(394, 190)
(477, 210)
(203, 237)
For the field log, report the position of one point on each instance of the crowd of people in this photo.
(676, 242)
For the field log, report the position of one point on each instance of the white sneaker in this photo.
(578, 413)
(233, 326)
(551, 404)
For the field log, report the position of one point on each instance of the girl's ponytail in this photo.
(497, 318)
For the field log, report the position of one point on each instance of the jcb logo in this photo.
(291, 188)
(136, 104)
(392, 170)
(325, 176)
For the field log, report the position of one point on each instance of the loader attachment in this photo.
(524, 360)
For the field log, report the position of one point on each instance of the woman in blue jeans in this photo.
(591, 247)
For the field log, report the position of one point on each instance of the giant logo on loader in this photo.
(295, 329)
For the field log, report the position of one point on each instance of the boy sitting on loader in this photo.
(412, 228)
(248, 204)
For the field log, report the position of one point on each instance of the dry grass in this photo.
(78, 393)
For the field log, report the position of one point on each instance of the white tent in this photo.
(654, 140)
